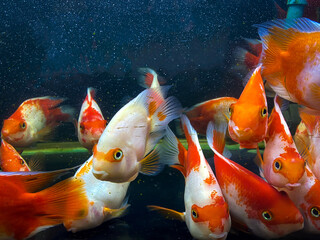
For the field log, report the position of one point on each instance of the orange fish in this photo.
(91, 122)
(10, 159)
(255, 206)
(290, 59)
(34, 119)
(249, 115)
(24, 214)
(282, 165)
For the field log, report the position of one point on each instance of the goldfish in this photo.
(34, 119)
(206, 211)
(125, 148)
(255, 206)
(25, 213)
(106, 200)
(309, 145)
(249, 115)
(282, 165)
(290, 60)
(91, 122)
(307, 199)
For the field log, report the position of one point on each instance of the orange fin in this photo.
(304, 149)
(216, 136)
(309, 120)
(116, 213)
(150, 164)
(167, 213)
(239, 225)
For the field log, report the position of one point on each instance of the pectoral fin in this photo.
(168, 213)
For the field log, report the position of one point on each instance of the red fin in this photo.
(216, 136)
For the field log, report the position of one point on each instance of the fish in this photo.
(206, 211)
(126, 147)
(309, 143)
(91, 122)
(282, 165)
(255, 206)
(25, 213)
(34, 120)
(10, 159)
(249, 115)
(290, 58)
(106, 200)
(307, 199)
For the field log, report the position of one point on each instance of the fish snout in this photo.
(293, 185)
(220, 236)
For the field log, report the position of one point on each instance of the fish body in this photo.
(10, 159)
(255, 206)
(249, 115)
(25, 213)
(282, 165)
(106, 200)
(91, 122)
(290, 59)
(34, 119)
(125, 147)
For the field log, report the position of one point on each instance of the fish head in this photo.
(202, 224)
(248, 122)
(14, 130)
(116, 163)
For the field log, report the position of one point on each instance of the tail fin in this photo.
(311, 122)
(90, 94)
(190, 133)
(216, 136)
(149, 78)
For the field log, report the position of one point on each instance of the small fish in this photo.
(249, 115)
(255, 206)
(206, 211)
(307, 199)
(34, 120)
(91, 122)
(24, 214)
(10, 159)
(290, 60)
(106, 200)
(282, 165)
(125, 148)
(309, 145)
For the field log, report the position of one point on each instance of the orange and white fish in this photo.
(206, 211)
(25, 213)
(282, 165)
(91, 122)
(249, 115)
(124, 147)
(255, 206)
(290, 57)
(34, 119)
(310, 146)
(106, 200)
(10, 159)
(307, 199)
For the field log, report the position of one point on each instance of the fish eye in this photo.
(315, 212)
(22, 125)
(82, 127)
(194, 213)
(267, 215)
(230, 110)
(263, 112)
(117, 155)
(277, 165)
(22, 162)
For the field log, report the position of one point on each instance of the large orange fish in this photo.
(206, 212)
(34, 119)
(24, 214)
(249, 115)
(255, 206)
(290, 59)
(91, 122)
(282, 165)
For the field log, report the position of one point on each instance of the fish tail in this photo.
(246, 59)
(90, 94)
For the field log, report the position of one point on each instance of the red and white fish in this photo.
(106, 200)
(206, 211)
(124, 148)
(255, 206)
(24, 213)
(282, 165)
(91, 122)
(249, 115)
(290, 58)
(34, 119)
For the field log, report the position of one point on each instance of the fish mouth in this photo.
(100, 175)
(218, 236)
(293, 185)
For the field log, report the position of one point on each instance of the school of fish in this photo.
(219, 199)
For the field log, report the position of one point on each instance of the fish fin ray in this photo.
(216, 136)
(168, 213)
(150, 164)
